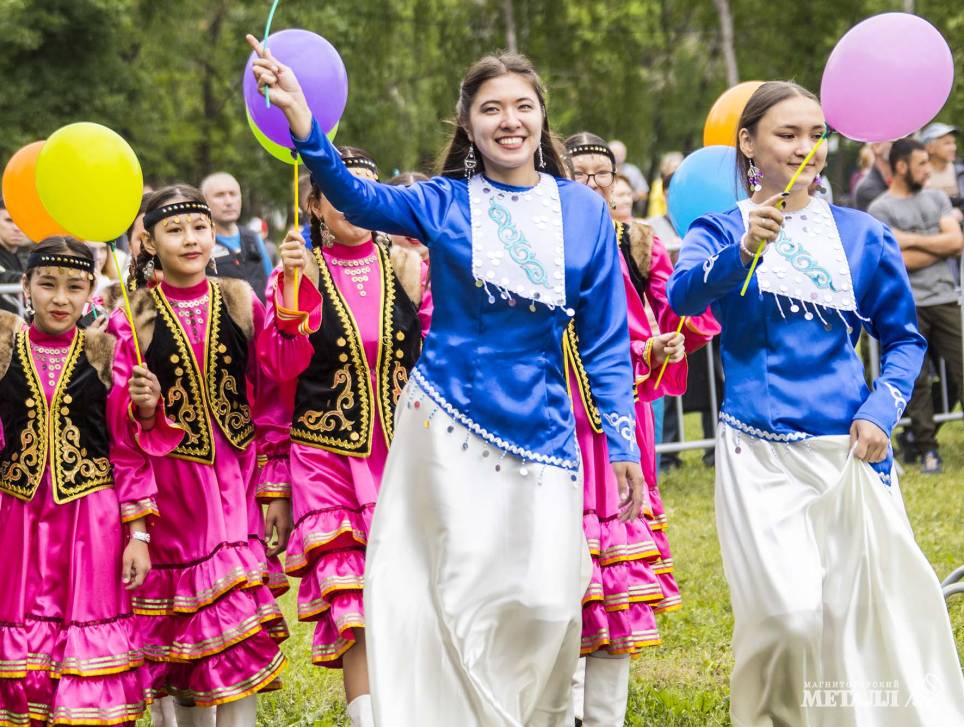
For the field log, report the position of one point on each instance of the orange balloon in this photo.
(721, 123)
(21, 198)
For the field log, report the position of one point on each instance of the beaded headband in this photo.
(178, 208)
(46, 260)
(361, 163)
(592, 149)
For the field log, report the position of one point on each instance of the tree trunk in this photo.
(510, 37)
(908, 6)
(726, 40)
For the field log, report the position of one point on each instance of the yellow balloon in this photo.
(90, 181)
(722, 121)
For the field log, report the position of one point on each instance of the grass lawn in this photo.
(684, 682)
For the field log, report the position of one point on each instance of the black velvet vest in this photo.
(193, 400)
(335, 403)
(71, 432)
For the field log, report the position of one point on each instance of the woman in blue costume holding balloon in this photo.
(476, 561)
(826, 581)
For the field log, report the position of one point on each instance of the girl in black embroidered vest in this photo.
(356, 326)
(207, 603)
(71, 476)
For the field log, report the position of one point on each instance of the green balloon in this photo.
(281, 153)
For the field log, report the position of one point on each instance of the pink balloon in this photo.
(886, 78)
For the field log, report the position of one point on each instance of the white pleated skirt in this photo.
(476, 567)
(839, 617)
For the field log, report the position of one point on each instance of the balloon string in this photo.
(782, 203)
(267, 30)
(127, 302)
(297, 270)
(662, 370)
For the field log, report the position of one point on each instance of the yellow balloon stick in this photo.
(297, 270)
(127, 302)
(662, 369)
(782, 203)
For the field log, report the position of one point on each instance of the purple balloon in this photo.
(321, 73)
(886, 78)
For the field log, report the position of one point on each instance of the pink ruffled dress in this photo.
(632, 576)
(697, 332)
(209, 623)
(333, 495)
(69, 652)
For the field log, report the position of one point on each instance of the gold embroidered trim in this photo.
(187, 406)
(70, 459)
(233, 417)
(20, 475)
(316, 424)
(570, 349)
(386, 347)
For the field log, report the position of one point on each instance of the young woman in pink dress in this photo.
(208, 620)
(76, 495)
(355, 322)
(632, 565)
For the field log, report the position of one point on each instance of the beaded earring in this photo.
(754, 176)
(471, 163)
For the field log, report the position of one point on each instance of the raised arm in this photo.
(414, 211)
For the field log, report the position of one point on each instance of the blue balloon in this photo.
(706, 181)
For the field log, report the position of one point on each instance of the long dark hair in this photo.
(317, 224)
(156, 200)
(763, 99)
(452, 160)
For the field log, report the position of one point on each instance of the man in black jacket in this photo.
(11, 268)
(239, 252)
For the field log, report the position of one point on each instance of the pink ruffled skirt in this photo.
(209, 622)
(68, 648)
(630, 579)
(333, 497)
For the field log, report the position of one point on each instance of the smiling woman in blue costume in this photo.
(476, 560)
(826, 580)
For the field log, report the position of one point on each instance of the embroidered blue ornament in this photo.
(517, 245)
(802, 261)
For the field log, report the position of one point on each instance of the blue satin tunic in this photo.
(787, 377)
(493, 363)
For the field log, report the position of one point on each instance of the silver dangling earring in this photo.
(754, 176)
(149, 270)
(470, 163)
(28, 308)
(541, 159)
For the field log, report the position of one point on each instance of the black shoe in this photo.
(906, 447)
(931, 463)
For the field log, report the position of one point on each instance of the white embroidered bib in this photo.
(517, 241)
(807, 263)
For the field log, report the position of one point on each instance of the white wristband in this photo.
(141, 535)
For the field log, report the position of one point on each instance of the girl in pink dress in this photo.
(632, 566)
(208, 620)
(357, 332)
(72, 477)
